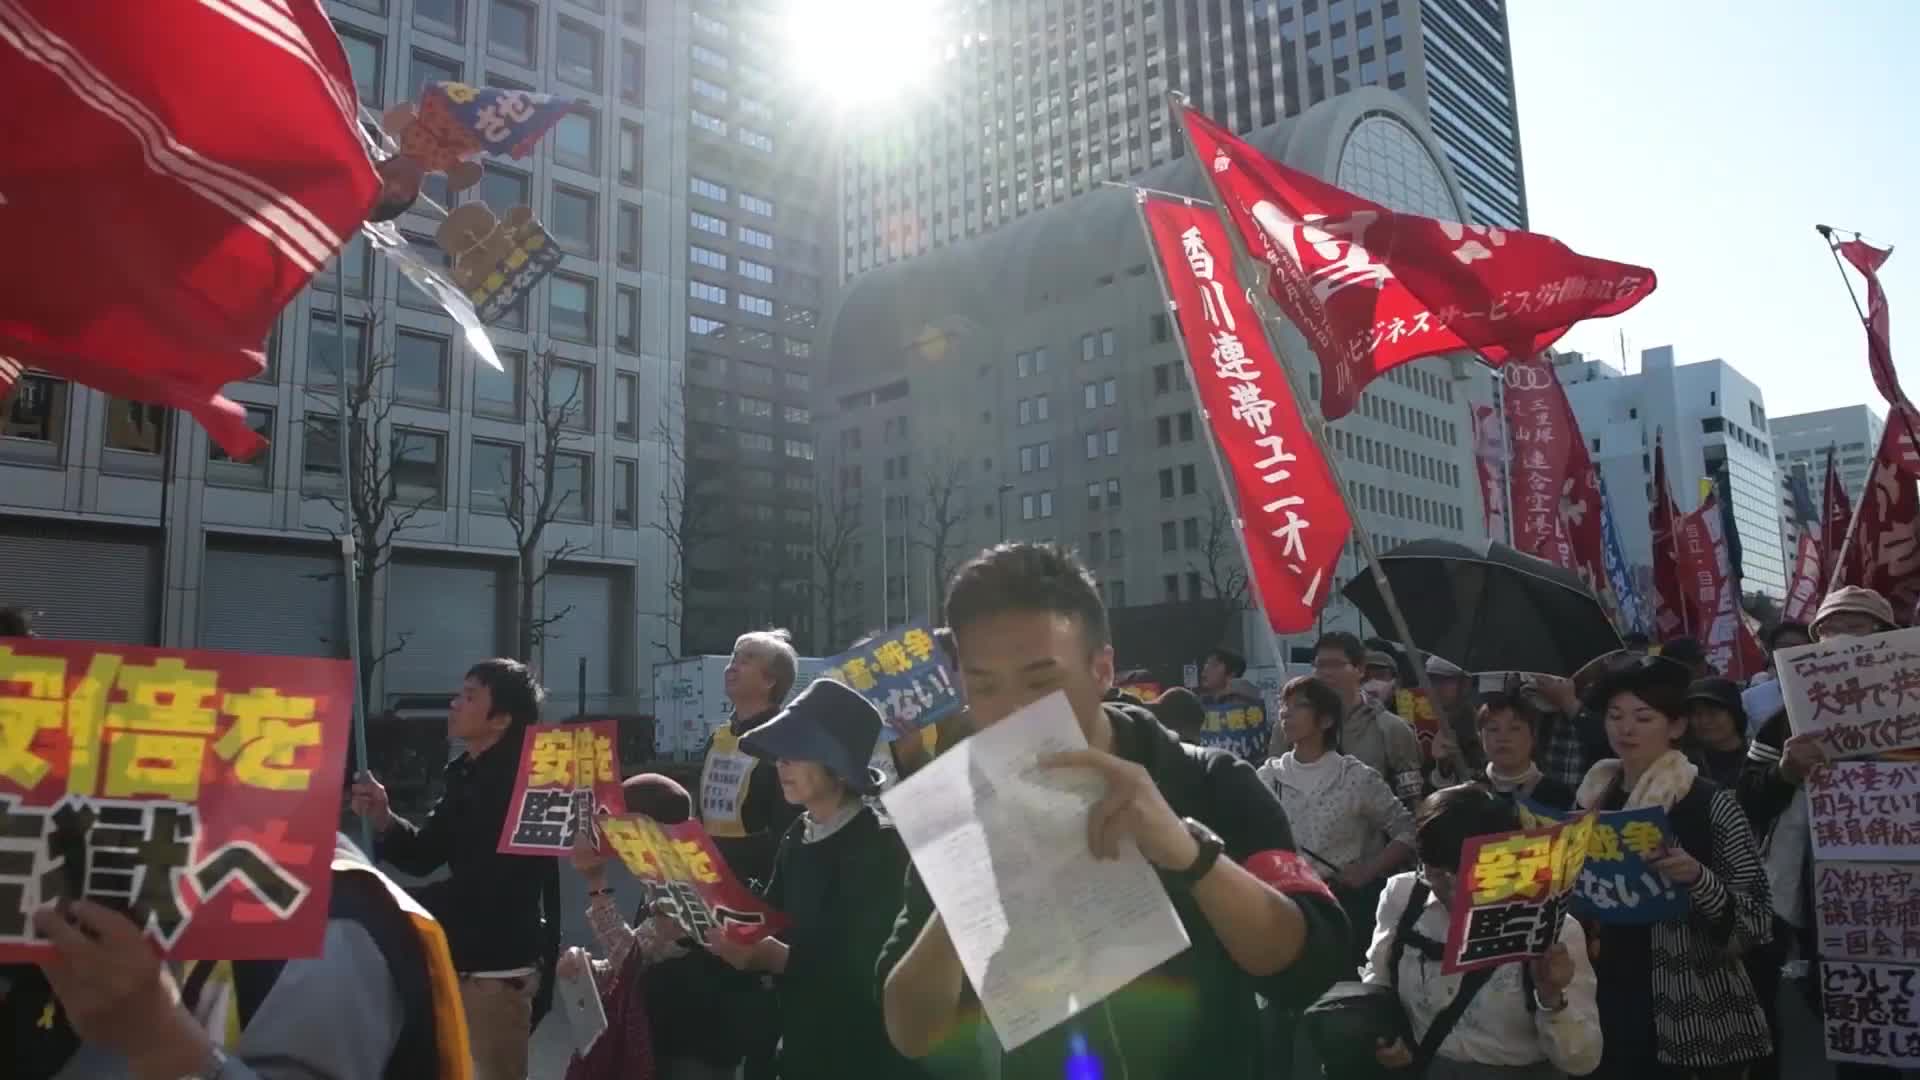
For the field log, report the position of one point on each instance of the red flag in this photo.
(1884, 552)
(1868, 259)
(1672, 614)
(1372, 289)
(1805, 581)
(183, 171)
(1490, 461)
(1707, 575)
(1293, 521)
(1554, 491)
(1836, 513)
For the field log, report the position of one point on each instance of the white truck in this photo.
(690, 702)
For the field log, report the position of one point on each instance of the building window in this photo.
(577, 50)
(575, 221)
(756, 271)
(707, 291)
(494, 481)
(420, 369)
(256, 473)
(701, 326)
(1189, 480)
(135, 426)
(633, 74)
(1162, 330)
(1023, 364)
(707, 257)
(1093, 445)
(754, 406)
(448, 18)
(1091, 394)
(626, 492)
(410, 294)
(1113, 493)
(1112, 438)
(633, 12)
(1040, 407)
(1106, 342)
(626, 405)
(510, 31)
(37, 410)
(800, 449)
(363, 56)
(1169, 536)
(1162, 380)
(570, 395)
(630, 154)
(707, 223)
(504, 189)
(319, 454)
(756, 238)
(323, 350)
(755, 140)
(419, 460)
(1086, 347)
(1027, 507)
(1163, 431)
(797, 380)
(1109, 392)
(710, 58)
(712, 91)
(626, 319)
(754, 204)
(358, 258)
(497, 393)
(708, 122)
(1096, 547)
(708, 189)
(570, 308)
(1116, 544)
(576, 141)
(1186, 426)
(1190, 533)
(573, 483)
(758, 305)
(1166, 483)
(1093, 496)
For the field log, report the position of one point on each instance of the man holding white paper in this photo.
(1030, 624)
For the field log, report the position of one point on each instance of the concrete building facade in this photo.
(1039, 101)
(1031, 378)
(1801, 442)
(1705, 414)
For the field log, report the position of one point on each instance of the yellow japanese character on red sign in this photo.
(918, 643)
(859, 675)
(157, 737)
(268, 730)
(87, 720)
(1604, 844)
(637, 842)
(603, 770)
(1641, 837)
(1517, 865)
(695, 863)
(892, 658)
(1570, 852)
(24, 715)
(553, 759)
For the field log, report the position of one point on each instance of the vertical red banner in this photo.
(567, 773)
(1706, 574)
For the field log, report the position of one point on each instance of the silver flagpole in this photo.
(349, 553)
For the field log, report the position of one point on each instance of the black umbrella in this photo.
(1491, 608)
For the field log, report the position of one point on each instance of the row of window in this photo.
(1189, 481)
(1099, 442)
(1183, 535)
(1402, 504)
(1103, 393)
(1398, 458)
(718, 367)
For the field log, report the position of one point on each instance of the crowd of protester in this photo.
(1325, 869)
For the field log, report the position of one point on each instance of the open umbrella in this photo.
(1490, 608)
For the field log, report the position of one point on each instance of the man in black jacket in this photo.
(490, 904)
(1029, 622)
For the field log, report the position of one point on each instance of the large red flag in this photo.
(1672, 614)
(1707, 573)
(173, 176)
(1292, 518)
(1554, 491)
(1868, 259)
(1372, 289)
(1884, 551)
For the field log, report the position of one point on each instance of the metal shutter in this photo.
(281, 603)
(587, 632)
(450, 616)
(83, 588)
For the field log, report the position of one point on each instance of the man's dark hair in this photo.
(1497, 702)
(514, 688)
(16, 622)
(1786, 626)
(1041, 579)
(1445, 819)
(1636, 640)
(1319, 697)
(1349, 644)
(1235, 664)
(1179, 710)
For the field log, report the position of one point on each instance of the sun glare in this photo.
(862, 54)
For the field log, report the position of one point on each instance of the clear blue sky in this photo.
(1704, 138)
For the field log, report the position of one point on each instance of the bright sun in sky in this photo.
(862, 54)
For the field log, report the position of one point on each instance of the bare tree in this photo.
(945, 508)
(836, 521)
(369, 496)
(540, 493)
(1221, 573)
(687, 522)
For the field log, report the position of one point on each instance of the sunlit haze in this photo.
(861, 54)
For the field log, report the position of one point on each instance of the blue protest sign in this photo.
(1242, 730)
(905, 676)
(1616, 884)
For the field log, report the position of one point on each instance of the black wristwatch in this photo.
(1210, 848)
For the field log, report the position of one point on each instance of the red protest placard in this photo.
(566, 774)
(197, 790)
(1510, 893)
(682, 859)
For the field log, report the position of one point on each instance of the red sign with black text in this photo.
(568, 772)
(1553, 488)
(1291, 515)
(1707, 576)
(683, 860)
(1371, 288)
(196, 791)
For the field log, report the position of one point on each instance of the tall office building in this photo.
(690, 268)
(1801, 442)
(1708, 417)
(1037, 101)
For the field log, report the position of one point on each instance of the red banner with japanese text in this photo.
(683, 860)
(1490, 461)
(1554, 490)
(1884, 552)
(1371, 288)
(1292, 518)
(567, 774)
(1672, 612)
(1707, 575)
(1868, 260)
(197, 791)
(1510, 893)
(1803, 579)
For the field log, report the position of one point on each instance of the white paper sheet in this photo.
(586, 1015)
(1043, 929)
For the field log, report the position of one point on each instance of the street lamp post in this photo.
(1004, 488)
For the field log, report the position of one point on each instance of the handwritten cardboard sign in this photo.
(904, 674)
(1865, 810)
(1868, 911)
(1512, 889)
(1242, 730)
(1872, 1012)
(566, 774)
(1860, 695)
(1616, 885)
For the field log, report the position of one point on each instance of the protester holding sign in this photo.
(1523, 1020)
(837, 877)
(490, 903)
(1673, 994)
(1344, 816)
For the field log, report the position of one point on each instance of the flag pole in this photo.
(1906, 420)
(349, 557)
(1315, 422)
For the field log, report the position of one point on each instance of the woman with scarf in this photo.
(1675, 999)
(838, 877)
(1507, 724)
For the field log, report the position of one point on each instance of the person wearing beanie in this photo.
(837, 875)
(1179, 711)
(1717, 727)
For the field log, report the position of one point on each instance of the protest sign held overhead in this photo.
(682, 859)
(1512, 889)
(1872, 1013)
(1868, 911)
(1616, 885)
(1860, 695)
(197, 791)
(1865, 810)
(904, 675)
(1290, 515)
(1416, 708)
(1242, 730)
(567, 774)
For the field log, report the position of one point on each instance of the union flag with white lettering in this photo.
(1290, 515)
(1372, 289)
